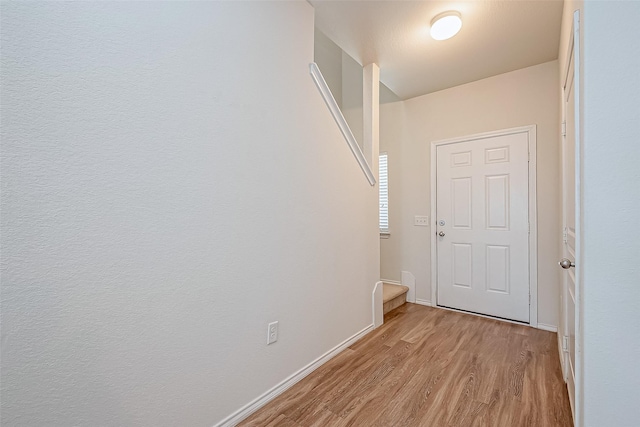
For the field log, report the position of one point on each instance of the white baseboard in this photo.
(423, 302)
(271, 394)
(393, 282)
(546, 327)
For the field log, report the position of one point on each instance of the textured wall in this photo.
(609, 263)
(171, 182)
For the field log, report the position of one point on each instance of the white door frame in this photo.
(533, 219)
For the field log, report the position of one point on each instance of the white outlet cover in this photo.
(272, 332)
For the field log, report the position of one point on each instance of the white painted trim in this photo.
(434, 222)
(371, 114)
(423, 302)
(533, 226)
(409, 280)
(377, 301)
(271, 394)
(322, 86)
(533, 218)
(392, 282)
(546, 327)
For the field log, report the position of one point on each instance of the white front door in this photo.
(482, 214)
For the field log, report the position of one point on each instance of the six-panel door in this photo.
(483, 202)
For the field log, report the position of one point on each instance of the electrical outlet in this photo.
(272, 333)
(422, 221)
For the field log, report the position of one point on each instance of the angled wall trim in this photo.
(378, 305)
(340, 120)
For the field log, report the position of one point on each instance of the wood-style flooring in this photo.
(435, 368)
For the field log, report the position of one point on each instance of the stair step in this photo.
(393, 296)
(390, 291)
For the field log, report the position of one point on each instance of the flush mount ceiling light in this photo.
(445, 25)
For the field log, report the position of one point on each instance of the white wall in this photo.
(519, 98)
(344, 76)
(328, 56)
(171, 182)
(391, 136)
(352, 97)
(610, 211)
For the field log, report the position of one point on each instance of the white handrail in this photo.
(340, 120)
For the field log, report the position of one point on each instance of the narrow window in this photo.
(383, 183)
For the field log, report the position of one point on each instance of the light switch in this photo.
(422, 221)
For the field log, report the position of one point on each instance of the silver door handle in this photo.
(441, 234)
(566, 264)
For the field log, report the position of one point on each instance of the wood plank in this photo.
(431, 367)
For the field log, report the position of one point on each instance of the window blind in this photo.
(383, 185)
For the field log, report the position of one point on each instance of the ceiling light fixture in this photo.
(445, 25)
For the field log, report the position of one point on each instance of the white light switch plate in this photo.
(422, 221)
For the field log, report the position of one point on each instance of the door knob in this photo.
(565, 263)
(441, 234)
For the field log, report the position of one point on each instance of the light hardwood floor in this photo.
(434, 368)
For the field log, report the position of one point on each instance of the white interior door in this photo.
(482, 214)
(570, 194)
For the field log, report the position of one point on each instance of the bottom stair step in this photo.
(393, 296)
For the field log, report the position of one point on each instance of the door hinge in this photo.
(564, 128)
(565, 235)
(565, 343)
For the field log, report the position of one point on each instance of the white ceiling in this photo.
(497, 36)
